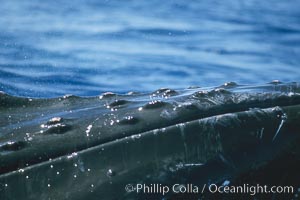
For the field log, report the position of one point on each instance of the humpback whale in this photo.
(74, 147)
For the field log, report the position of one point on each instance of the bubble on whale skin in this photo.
(107, 95)
(155, 104)
(128, 120)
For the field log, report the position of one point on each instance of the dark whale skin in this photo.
(75, 148)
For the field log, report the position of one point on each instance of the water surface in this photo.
(52, 48)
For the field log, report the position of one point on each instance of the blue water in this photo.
(51, 48)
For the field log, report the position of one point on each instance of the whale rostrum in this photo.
(91, 147)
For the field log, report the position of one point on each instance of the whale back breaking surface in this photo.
(154, 132)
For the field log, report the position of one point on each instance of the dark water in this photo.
(51, 48)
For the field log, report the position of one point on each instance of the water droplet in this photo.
(261, 133)
(275, 82)
(58, 128)
(88, 130)
(129, 120)
(80, 165)
(154, 104)
(28, 137)
(230, 84)
(54, 120)
(72, 155)
(164, 92)
(110, 173)
(68, 96)
(107, 95)
(136, 136)
(283, 119)
(155, 132)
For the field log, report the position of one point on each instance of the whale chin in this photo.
(92, 147)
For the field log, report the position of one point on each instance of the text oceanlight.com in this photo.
(212, 188)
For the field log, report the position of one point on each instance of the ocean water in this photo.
(52, 48)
